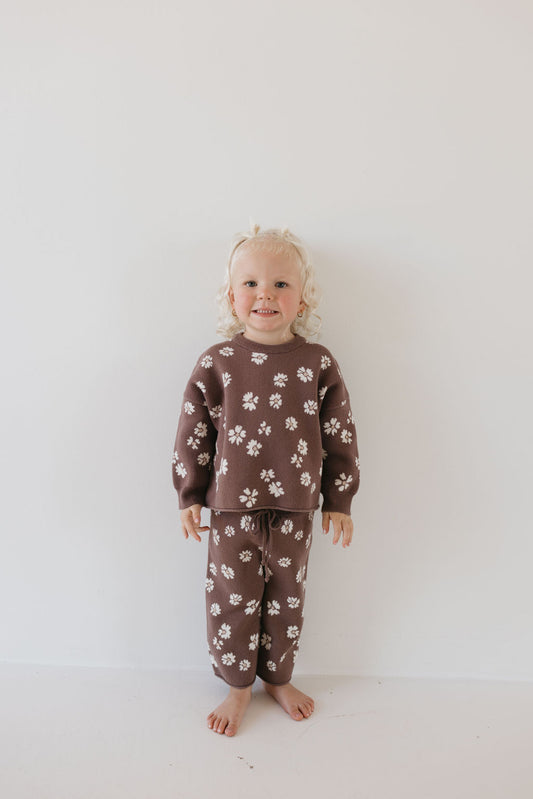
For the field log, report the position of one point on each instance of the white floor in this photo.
(80, 733)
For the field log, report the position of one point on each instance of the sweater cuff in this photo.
(340, 504)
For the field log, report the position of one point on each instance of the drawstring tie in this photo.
(263, 521)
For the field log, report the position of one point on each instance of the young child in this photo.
(265, 427)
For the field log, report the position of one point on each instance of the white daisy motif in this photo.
(259, 357)
(322, 392)
(245, 556)
(297, 460)
(200, 430)
(249, 402)
(357, 464)
(264, 429)
(216, 643)
(188, 408)
(226, 378)
(293, 602)
(299, 534)
(179, 468)
(350, 417)
(228, 658)
(305, 375)
(310, 407)
(253, 447)
(246, 523)
(209, 584)
(280, 380)
(223, 468)
(266, 641)
(254, 641)
(285, 562)
(213, 569)
(287, 526)
(225, 631)
(215, 609)
(273, 608)
(300, 575)
(235, 599)
(305, 478)
(207, 362)
(267, 475)
(276, 488)
(325, 362)
(291, 423)
(200, 385)
(331, 427)
(275, 401)
(216, 537)
(293, 631)
(237, 434)
(227, 351)
(204, 458)
(194, 443)
(308, 542)
(343, 482)
(346, 437)
(271, 666)
(229, 530)
(244, 665)
(249, 497)
(302, 447)
(227, 571)
(251, 606)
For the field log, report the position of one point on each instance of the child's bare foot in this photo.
(228, 716)
(293, 701)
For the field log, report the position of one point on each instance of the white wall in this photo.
(395, 138)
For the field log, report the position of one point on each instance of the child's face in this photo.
(266, 293)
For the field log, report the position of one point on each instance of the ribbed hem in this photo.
(269, 349)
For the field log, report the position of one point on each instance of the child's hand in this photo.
(190, 519)
(342, 524)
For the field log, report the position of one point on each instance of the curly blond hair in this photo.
(278, 241)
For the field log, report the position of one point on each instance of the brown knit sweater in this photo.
(266, 426)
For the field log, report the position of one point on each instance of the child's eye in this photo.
(250, 283)
(281, 284)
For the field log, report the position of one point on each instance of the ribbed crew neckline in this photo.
(255, 346)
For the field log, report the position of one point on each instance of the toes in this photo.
(231, 729)
(296, 714)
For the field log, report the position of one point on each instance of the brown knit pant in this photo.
(255, 591)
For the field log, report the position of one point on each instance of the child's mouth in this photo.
(264, 312)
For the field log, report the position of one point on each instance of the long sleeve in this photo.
(340, 468)
(194, 447)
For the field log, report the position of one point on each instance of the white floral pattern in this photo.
(305, 375)
(227, 351)
(264, 429)
(237, 434)
(291, 423)
(343, 482)
(280, 380)
(253, 447)
(259, 357)
(227, 571)
(275, 401)
(249, 402)
(235, 599)
(331, 427)
(310, 407)
(249, 497)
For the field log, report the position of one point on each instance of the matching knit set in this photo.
(264, 429)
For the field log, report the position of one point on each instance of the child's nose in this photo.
(265, 292)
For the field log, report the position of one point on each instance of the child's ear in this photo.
(231, 295)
